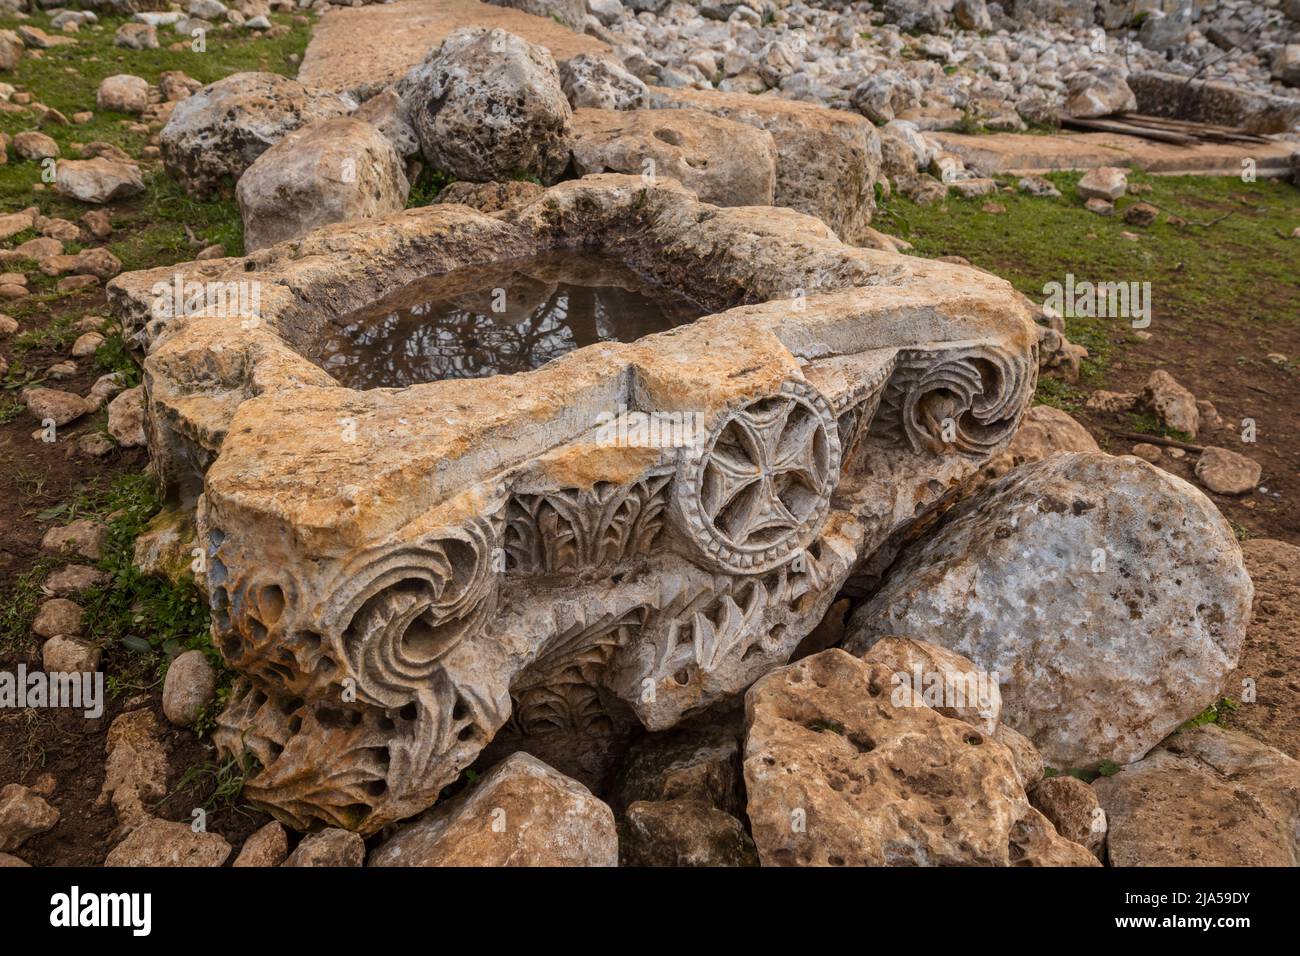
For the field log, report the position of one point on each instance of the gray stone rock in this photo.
(599, 81)
(1227, 472)
(1098, 91)
(487, 105)
(1109, 596)
(98, 180)
(683, 833)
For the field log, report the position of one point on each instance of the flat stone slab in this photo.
(1018, 153)
(361, 50)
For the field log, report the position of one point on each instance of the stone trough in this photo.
(403, 576)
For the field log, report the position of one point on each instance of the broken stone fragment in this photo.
(85, 537)
(1043, 431)
(1072, 807)
(163, 843)
(329, 847)
(1099, 91)
(699, 762)
(599, 81)
(123, 93)
(268, 846)
(683, 833)
(843, 769)
(521, 813)
(1144, 626)
(135, 775)
(1227, 472)
(64, 655)
(98, 180)
(333, 171)
(479, 72)
(23, 815)
(58, 617)
(73, 579)
(1104, 182)
(189, 686)
(1205, 797)
(1174, 406)
(724, 163)
(126, 418)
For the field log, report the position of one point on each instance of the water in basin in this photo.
(499, 318)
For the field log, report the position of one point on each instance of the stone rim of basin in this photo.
(361, 545)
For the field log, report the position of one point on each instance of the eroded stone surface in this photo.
(1109, 597)
(1205, 797)
(521, 813)
(724, 163)
(843, 770)
(622, 568)
(683, 833)
(163, 843)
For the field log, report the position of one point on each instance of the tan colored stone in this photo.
(943, 679)
(724, 163)
(1044, 431)
(23, 815)
(1227, 472)
(162, 843)
(521, 813)
(58, 617)
(329, 847)
(190, 686)
(1173, 404)
(683, 833)
(135, 775)
(85, 537)
(268, 846)
(842, 770)
(1072, 807)
(65, 655)
(1205, 797)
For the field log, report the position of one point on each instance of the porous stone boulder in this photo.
(163, 843)
(329, 847)
(1227, 472)
(334, 171)
(600, 81)
(488, 105)
(99, 180)
(218, 132)
(123, 93)
(724, 163)
(683, 833)
(947, 682)
(1206, 797)
(1108, 595)
(23, 815)
(521, 813)
(1073, 808)
(843, 770)
(1043, 431)
(827, 160)
(490, 197)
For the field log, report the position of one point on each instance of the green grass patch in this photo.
(1241, 269)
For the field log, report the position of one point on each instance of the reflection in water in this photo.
(496, 319)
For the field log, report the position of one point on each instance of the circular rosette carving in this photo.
(968, 400)
(419, 601)
(757, 490)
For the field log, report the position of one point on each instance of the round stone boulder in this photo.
(487, 105)
(188, 688)
(335, 171)
(1109, 596)
(220, 130)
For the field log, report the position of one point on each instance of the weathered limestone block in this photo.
(842, 768)
(474, 559)
(1108, 595)
(724, 163)
(488, 105)
(1205, 797)
(827, 160)
(219, 131)
(334, 171)
(521, 813)
(599, 81)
